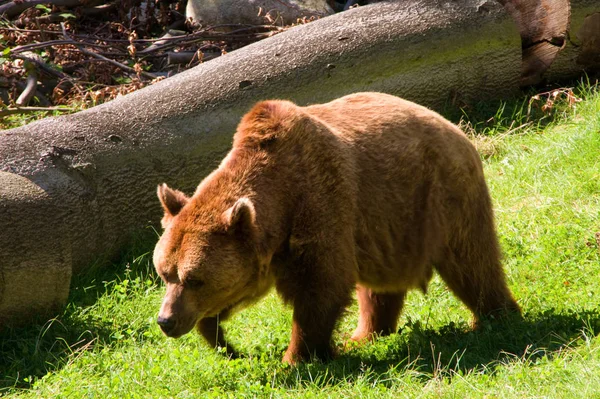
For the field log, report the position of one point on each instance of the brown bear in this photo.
(367, 191)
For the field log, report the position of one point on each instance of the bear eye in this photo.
(193, 283)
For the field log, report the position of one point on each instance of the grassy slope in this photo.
(545, 186)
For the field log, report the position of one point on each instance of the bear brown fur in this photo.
(367, 191)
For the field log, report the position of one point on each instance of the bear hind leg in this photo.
(470, 263)
(378, 313)
(476, 277)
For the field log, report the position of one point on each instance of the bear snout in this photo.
(166, 324)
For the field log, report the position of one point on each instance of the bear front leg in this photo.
(312, 328)
(318, 281)
(212, 332)
(378, 313)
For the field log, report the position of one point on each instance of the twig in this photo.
(14, 8)
(44, 66)
(103, 58)
(50, 43)
(59, 16)
(26, 110)
(39, 96)
(189, 39)
(49, 18)
(99, 9)
(186, 57)
(163, 40)
(39, 26)
(349, 4)
(201, 35)
(205, 35)
(31, 86)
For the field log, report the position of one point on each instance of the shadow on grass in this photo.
(452, 350)
(28, 353)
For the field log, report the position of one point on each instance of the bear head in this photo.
(208, 262)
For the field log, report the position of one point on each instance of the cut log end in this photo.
(543, 26)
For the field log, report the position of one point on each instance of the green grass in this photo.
(18, 120)
(545, 181)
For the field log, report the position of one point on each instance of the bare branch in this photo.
(42, 100)
(247, 32)
(14, 8)
(103, 58)
(185, 57)
(27, 57)
(30, 88)
(59, 16)
(196, 37)
(163, 40)
(32, 77)
(50, 43)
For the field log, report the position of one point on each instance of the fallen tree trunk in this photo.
(77, 187)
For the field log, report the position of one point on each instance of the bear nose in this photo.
(166, 324)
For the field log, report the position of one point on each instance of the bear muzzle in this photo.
(175, 326)
(167, 325)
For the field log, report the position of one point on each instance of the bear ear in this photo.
(171, 200)
(240, 217)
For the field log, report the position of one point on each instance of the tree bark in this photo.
(78, 187)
